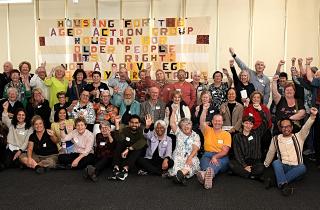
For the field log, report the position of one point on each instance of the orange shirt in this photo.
(213, 142)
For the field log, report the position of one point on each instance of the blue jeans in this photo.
(221, 167)
(287, 173)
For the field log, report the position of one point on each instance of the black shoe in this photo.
(61, 166)
(122, 175)
(40, 170)
(115, 173)
(286, 190)
(92, 173)
(267, 183)
(180, 178)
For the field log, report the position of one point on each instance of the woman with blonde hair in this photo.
(56, 83)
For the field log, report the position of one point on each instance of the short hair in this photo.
(206, 92)
(13, 71)
(80, 119)
(196, 72)
(24, 62)
(290, 84)
(248, 118)
(105, 123)
(184, 121)
(255, 93)
(143, 70)
(12, 89)
(284, 119)
(96, 72)
(78, 71)
(56, 114)
(217, 72)
(162, 123)
(246, 72)
(135, 116)
(283, 74)
(35, 119)
(61, 93)
(176, 92)
(232, 88)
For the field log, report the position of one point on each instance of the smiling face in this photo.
(286, 128)
(7, 67)
(80, 76)
(59, 72)
(186, 127)
(205, 98)
(95, 78)
(160, 130)
(181, 75)
(21, 117)
(217, 122)
(256, 99)
(176, 98)
(105, 97)
(84, 97)
(134, 124)
(289, 92)
(37, 96)
(231, 95)
(12, 95)
(259, 66)
(25, 69)
(15, 77)
(81, 127)
(196, 77)
(62, 114)
(217, 77)
(247, 126)
(244, 77)
(38, 125)
(160, 75)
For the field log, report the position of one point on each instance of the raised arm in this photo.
(173, 123)
(225, 71)
(275, 93)
(308, 69)
(280, 64)
(203, 116)
(239, 62)
(300, 64)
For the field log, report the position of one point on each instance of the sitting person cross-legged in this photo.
(130, 142)
(104, 149)
(42, 151)
(246, 145)
(82, 140)
(186, 162)
(288, 146)
(217, 143)
(157, 159)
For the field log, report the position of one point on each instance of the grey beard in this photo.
(127, 102)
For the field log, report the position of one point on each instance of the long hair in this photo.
(14, 120)
(56, 114)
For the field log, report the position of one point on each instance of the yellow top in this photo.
(213, 142)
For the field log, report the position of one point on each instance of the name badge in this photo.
(44, 145)
(75, 140)
(22, 133)
(127, 139)
(214, 92)
(129, 112)
(211, 111)
(243, 94)
(39, 106)
(165, 143)
(200, 88)
(102, 108)
(250, 138)
(178, 89)
(250, 114)
(260, 80)
(220, 141)
(101, 89)
(157, 107)
(289, 141)
(168, 88)
(102, 143)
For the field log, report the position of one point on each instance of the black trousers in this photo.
(256, 169)
(131, 158)
(102, 163)
(265, 143)
(67, 159)
(154, 165)
(8, 160)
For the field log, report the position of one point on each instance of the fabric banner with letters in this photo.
(95, 45)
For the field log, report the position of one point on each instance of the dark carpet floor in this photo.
(23, 189)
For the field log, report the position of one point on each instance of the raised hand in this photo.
(231, 50)
(117, 119)
(148, 120)
(231, 63)
(225, 71)
(5, 106)
(275, 77)
(309, 60)
(293, 61)
(313, 111)
(281, 62)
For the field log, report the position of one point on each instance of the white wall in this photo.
(280, 29)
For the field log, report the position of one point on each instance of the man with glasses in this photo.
(288, 146)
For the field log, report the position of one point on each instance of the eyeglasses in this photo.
(286, 127)
(84, 95)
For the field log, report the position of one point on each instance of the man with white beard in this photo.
(128, 106)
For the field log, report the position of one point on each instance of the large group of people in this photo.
(176, 130)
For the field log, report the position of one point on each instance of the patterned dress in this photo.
(219, 94)
(183, 150)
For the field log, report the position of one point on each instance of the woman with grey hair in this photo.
(158, 157)
(186, 162)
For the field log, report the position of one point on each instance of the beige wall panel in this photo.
(22, 35)
(51, 9)
(82, 9)
(268, 40)
(303, 29)
(109, 9)
(167, 8)
(136, 8)
(3, 35)
(201, 8)
(234, 27)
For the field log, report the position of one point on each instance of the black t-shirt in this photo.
(103, 86)
(44, 146)
(284, 111)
